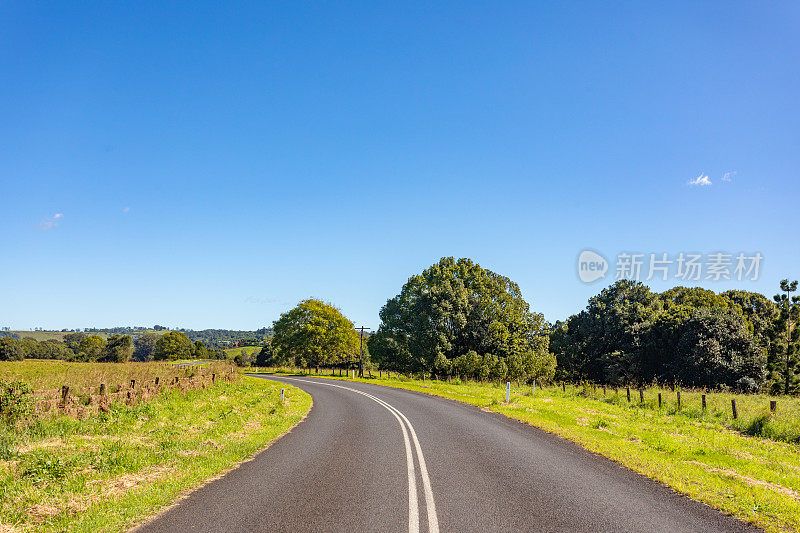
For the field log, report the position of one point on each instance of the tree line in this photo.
(453, 319)
(82, 347)
(458, 319)
(735, 340)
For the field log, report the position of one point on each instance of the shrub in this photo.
(16, 401)
(11, 350)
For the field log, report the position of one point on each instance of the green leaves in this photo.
(628, 334)
(456, 317)
(173, 345)
(316, 334)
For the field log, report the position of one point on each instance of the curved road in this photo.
(372, 458)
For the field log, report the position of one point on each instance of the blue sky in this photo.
(211, 164)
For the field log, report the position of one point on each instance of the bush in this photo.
(11, 350)
(16, 401)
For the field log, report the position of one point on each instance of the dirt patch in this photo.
(40, 511)
(786, 491)
(124, 483)
(190, 453)
(49, 443)
(5, 528)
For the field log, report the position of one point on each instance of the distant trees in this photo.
(50, 349)
(73, 340)
(314, 334)
(10, 350)
(200, 350)
(243, 358)
(173, 345)
(458, 318)
(118, 349)
(265, 356)
(90, 349)
(144, 347)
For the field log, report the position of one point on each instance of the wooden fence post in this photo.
(102, 389)
(679, 399)
(133, 383)
(157, 380)
(641, 395)
(563, 387)
(64, 393)
(704, 402)
(628, 392)
(773, 405)
(659, 400)
(733, 408)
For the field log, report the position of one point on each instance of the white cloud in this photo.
(126, 209)
(51, 222)
(702, 179)
(728, 176)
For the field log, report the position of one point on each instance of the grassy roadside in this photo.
(114, 469)
(754, 479)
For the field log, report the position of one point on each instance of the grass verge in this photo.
(754, 479)
(114, 469)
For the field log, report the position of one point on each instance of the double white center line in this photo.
(406, 427)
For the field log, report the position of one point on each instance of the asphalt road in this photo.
(372, 458)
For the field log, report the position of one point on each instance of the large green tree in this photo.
(603, 342)
(314, 334)
(118, 349)
(455, 313)
(173, 345)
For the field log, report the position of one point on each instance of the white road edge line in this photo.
(413, 517)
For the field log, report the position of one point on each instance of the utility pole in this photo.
(361, 353)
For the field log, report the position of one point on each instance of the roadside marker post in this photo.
(534, 387)
(283, 392)
(508, 391)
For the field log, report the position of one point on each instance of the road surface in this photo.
(372, 458)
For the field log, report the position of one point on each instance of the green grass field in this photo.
(114, 469)
(700, 454)
(40, 336)
(250, 350)
(52, 374)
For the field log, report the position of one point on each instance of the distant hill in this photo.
(210, 337)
